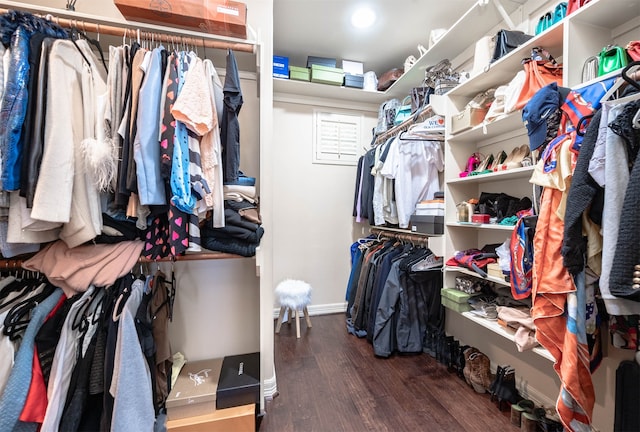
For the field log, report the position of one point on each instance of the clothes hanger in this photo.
(625, 78)
(15, 322)
(95, 43)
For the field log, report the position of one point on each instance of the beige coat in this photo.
(65, 192)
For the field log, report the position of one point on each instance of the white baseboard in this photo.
(322, 309)
(270, 386)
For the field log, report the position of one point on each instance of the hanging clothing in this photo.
(414, 165)
(15, 393)
(133, 403)
(230, 128)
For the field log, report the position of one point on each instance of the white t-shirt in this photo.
(414, 165)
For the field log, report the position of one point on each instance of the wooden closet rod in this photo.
(133, 30)
(416, 239)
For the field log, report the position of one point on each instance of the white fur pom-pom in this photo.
(99, 161)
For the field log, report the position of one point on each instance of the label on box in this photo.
(226, 10)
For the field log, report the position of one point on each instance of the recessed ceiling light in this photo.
(363, 17)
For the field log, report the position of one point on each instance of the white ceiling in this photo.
(323, 28)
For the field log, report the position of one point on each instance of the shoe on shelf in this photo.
(472, 164)
(520, 153)
(484, 165)
(500, 159)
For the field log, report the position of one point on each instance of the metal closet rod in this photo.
(132, 32)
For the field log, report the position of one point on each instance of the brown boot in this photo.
(480, 373)
(466, 371)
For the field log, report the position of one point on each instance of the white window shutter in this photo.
(337, 138)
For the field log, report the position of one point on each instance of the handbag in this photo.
(388, 78)
(482, 55)
(403, 112)
(574, 5)
(633, 50)
(538, 73)
(590, 68)
(559, 12)
(544, 23)
(514, 88)
(420, 98)
(386, 115)
(611, 58)
(507, 41)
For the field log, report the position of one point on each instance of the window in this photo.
(336, 138)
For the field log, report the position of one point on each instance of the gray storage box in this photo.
(427, 224)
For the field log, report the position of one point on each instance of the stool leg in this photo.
(289, 316)
(307, 318)
(297, 323)
(279, 324)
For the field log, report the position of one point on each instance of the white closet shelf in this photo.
(481, 226)
(503, 124)
(604, 14)
(514, 173)
(504, 69)
(474, 274)
(462, 34)
(327, 91)
(504, 332)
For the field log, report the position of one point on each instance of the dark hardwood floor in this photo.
(329, 380)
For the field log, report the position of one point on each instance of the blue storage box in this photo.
(355, 81)
(281, 67)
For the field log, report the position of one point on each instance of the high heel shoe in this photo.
(521, 153)
(472, 164)
(486, 162)
(500, 159)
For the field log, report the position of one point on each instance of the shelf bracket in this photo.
(504, 14)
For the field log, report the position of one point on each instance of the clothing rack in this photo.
(389, 233)
(405, 125)
(129, 29)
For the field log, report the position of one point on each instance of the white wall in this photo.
(312, 225)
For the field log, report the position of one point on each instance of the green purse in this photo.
(611, 58)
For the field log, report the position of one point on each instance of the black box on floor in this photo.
(351, 80)
(427, 224)
(239, 382)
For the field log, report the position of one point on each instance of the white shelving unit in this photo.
(506, 333)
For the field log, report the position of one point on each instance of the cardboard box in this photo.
(195, 390)
(427, 224)
(321, 61)
(239, 381)
(455, 299)
(467, 119)
(355, 81)
(236, 419)
(430, 208)
(299, 73)
(494, 270)
(326, 75)
(221, 17)
(352, 67)
(281, 67)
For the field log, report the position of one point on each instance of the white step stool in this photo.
(293, 297)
